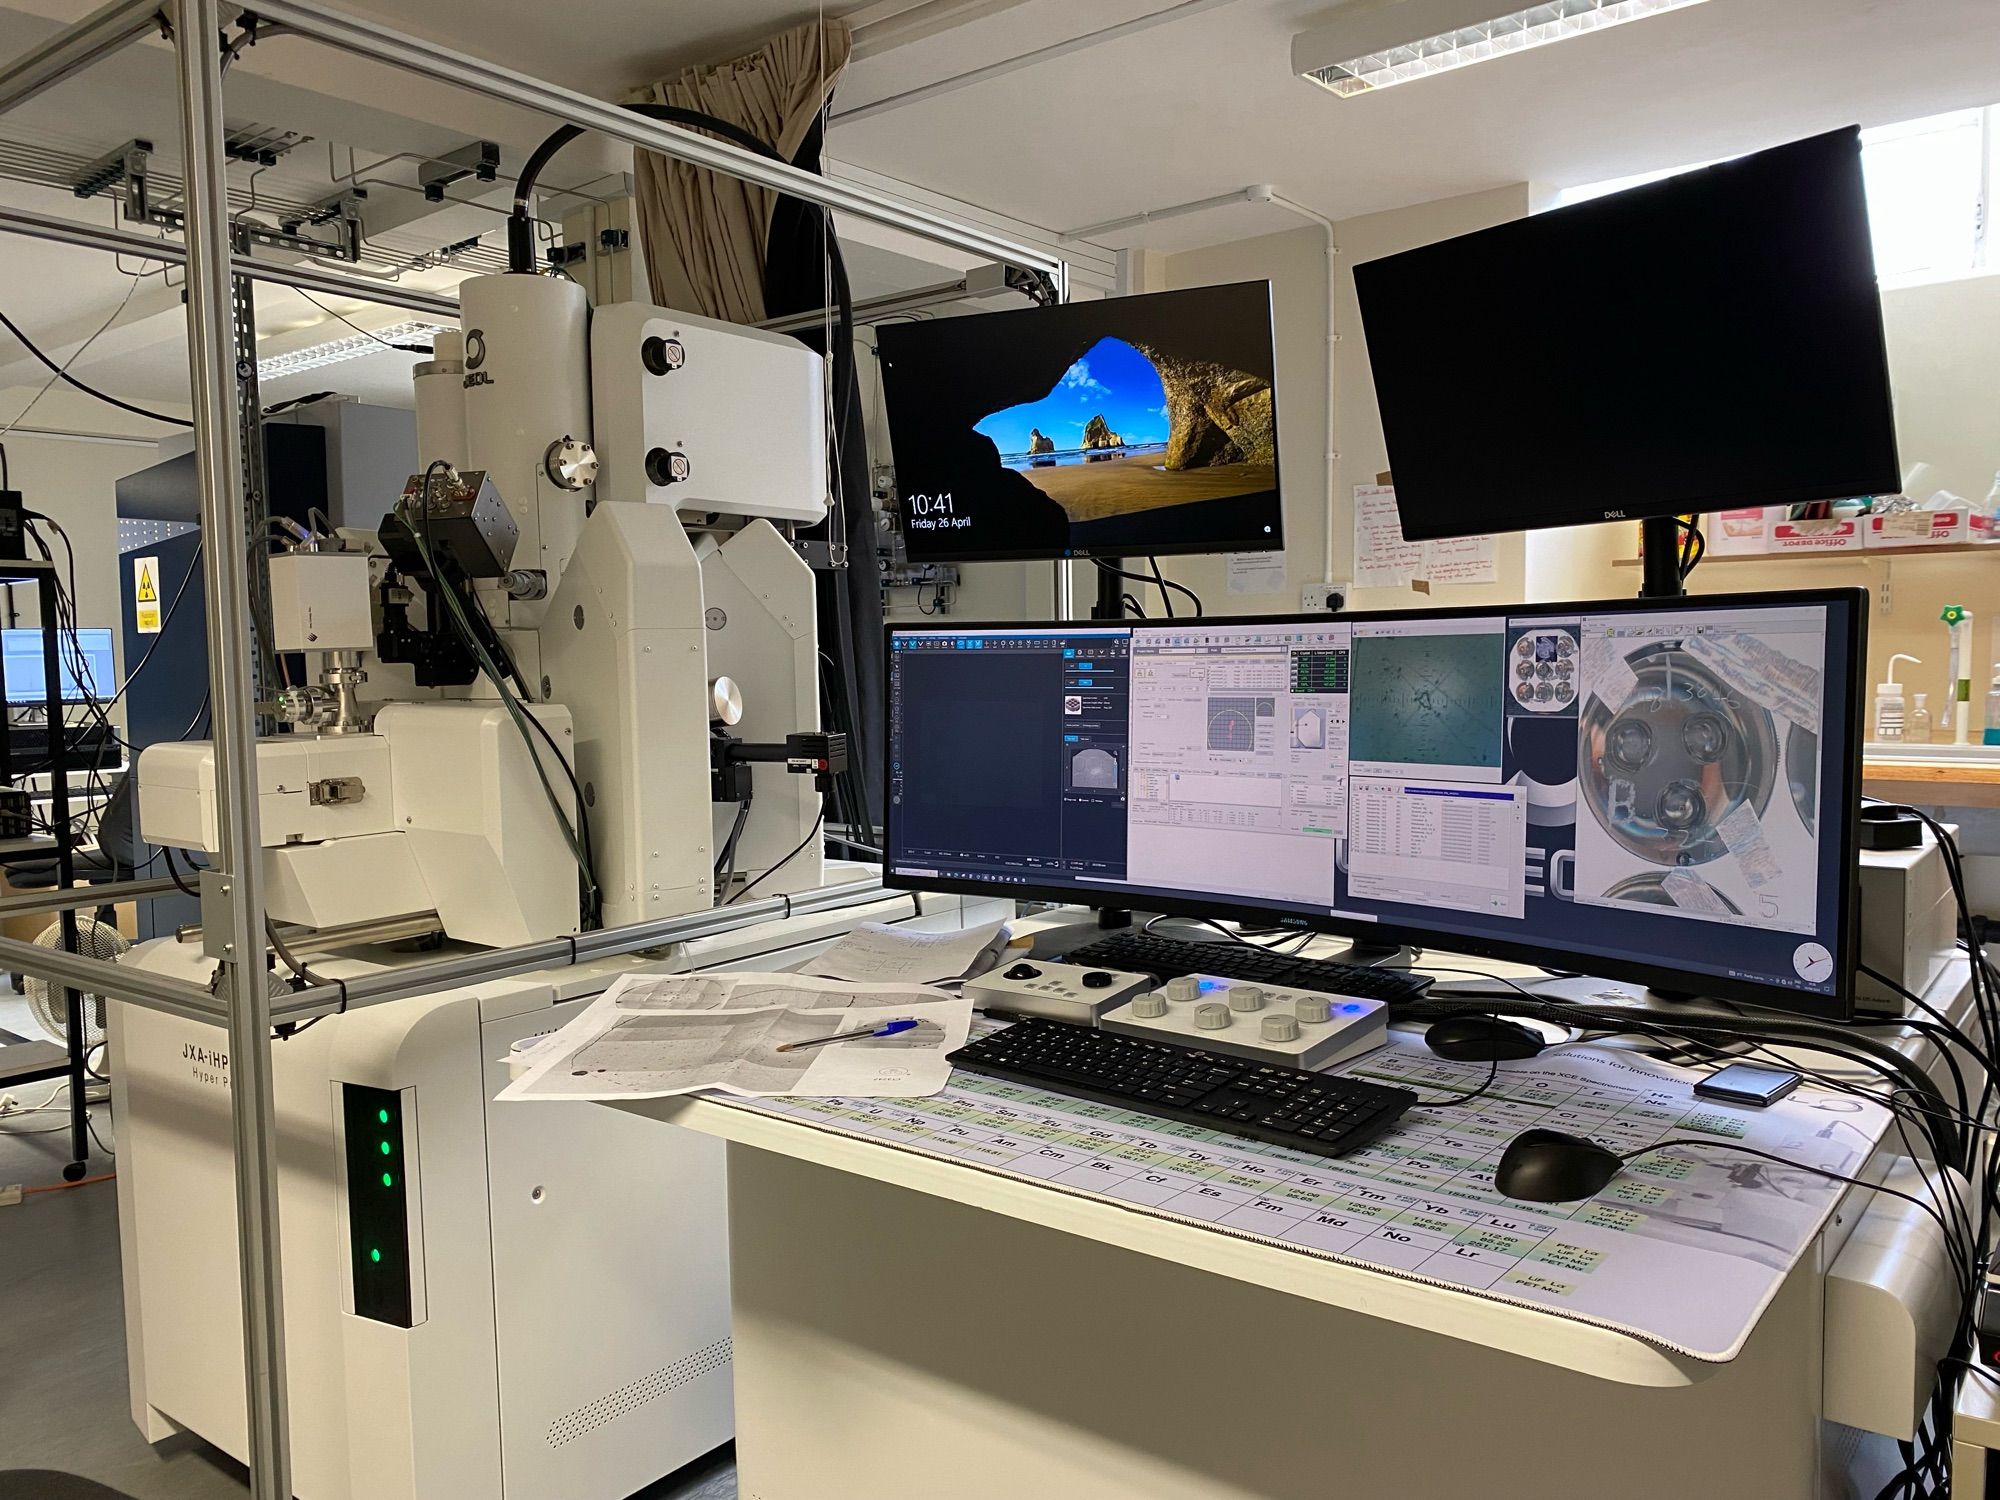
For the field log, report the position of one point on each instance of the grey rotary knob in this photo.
(1211, 1017)
(1246, 997)
(725, 701)
(1312, 1010)
(1183, 987)
(1150, 1004)
(1281, 1028)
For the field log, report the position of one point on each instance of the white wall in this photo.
(1294, 262)
(1944, 369)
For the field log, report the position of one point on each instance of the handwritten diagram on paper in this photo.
(650, 1036)
(1382, 559)
(1684, 1249)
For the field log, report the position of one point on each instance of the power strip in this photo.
(1293, 1028)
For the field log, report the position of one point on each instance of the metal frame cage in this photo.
(232, 894)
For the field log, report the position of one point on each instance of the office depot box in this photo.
(1920, 528)
(1817, 536)
(1738, 533)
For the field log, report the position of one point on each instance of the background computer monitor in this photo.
(21, 659)
(1131, 426)
(1642, 790)
(1708, 341)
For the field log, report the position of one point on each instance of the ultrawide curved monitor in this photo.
(1660, 791)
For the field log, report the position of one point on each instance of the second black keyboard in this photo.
(1306, 1111)
(1164, 957)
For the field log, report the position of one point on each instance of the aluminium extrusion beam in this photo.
(169, 252)
(554, 953)
(233, 889)
(34, 903)
(76, 47)
(99, 976)
(368, 38)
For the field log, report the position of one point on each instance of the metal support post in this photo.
(236, 914)
(264, 680)
(74, 1035)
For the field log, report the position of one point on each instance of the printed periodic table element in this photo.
(1683, 1249)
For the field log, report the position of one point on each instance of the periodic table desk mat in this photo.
(1682, 1250)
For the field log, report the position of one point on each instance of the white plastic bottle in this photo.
(1889, 726)
(1992, 735)
(1917, 729)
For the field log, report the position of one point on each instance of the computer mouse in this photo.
(1550, 1166)
(1483, 1039)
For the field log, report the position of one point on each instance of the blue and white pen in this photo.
(892, 1028)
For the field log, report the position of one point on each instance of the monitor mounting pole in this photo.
(1660, 568)
(1110, 605)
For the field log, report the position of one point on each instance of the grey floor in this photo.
(62, 1335)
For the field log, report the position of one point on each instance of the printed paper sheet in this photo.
(651, 1036)
(1683, 1249)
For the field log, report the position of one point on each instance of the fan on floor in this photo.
(94, 939)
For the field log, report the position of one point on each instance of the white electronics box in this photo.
(1295, 1028)
(1909, 922)
(1060, 992)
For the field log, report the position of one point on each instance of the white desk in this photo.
(910, 1327)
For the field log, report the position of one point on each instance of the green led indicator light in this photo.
(375, 1255)
(385, 1148)
(382, 1115)
(387, 1180)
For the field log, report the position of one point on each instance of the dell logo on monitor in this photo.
(1614, 515)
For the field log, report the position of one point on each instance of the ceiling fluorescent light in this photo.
(1364, 68)
(353, 346)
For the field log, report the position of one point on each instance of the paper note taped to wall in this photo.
(146, 595)
(1382, 559)
(1256, 572)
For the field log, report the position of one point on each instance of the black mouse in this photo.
(1549, 1166)
(1483, 1039)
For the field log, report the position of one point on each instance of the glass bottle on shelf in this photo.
(1918, 728)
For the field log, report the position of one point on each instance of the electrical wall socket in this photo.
(1330, 597)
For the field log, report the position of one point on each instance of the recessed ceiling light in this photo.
(353, 346)
(1380, 67)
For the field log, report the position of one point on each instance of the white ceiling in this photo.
(1189, 98)
(1205, 105)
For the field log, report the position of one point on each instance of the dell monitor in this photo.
(1133, 426)
(27, 684)
(1708, 341)
(1633, 790)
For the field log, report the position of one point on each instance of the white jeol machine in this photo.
(483, 1301)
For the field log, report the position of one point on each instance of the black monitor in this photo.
(1646, 790)
(1133, 426)
(1708, 341)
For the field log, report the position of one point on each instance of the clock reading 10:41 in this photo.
(929, 505)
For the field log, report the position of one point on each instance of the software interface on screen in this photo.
(21, 662)
(1643, 786)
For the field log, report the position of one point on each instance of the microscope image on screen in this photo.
(1697, 760)
(1094, 770)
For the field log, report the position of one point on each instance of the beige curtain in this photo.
(703, 232)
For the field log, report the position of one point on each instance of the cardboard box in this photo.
(1920, 528)
(1739, 533)
(1818, 536)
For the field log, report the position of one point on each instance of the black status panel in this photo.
(378, 1206)
(1034, 725)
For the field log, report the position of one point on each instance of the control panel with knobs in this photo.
(1061, 992)
(1297, 1028)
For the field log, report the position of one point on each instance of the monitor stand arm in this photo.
(1660, 537)
(1110, 605)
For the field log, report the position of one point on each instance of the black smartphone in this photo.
(1745, 1083)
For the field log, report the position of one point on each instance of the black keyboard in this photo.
(1287, 1107)
(1164, 957)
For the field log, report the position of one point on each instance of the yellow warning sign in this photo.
(146, 595)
